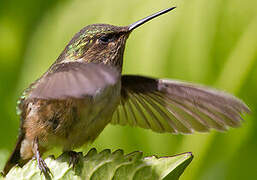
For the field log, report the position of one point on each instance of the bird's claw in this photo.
(74, 158)
(43, 167)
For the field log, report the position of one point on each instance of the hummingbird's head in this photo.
(102, 43)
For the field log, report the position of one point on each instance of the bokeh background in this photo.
(208, 42)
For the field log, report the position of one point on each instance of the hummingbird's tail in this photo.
(15, 156)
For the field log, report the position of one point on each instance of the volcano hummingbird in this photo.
(84, 90)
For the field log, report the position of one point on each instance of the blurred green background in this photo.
(208, 42)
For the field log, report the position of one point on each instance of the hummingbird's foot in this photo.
(74, 158)
(43, 167)
(40, 162)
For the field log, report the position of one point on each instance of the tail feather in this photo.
(15, 156)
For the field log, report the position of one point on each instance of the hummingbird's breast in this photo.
(94, 117)
(68, 123)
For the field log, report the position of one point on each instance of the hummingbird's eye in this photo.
(106, 38)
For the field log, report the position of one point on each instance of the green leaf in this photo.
(107, 165)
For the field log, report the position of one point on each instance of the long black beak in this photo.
(148, 18)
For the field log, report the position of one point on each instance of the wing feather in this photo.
(177, 107)
(140, 111)
(75, 80)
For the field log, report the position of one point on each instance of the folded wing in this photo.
(74, 79)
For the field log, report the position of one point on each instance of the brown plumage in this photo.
(83, 91)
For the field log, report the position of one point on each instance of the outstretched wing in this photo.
(175, 107)
(74, 79)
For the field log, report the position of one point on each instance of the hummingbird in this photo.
(84, 90)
